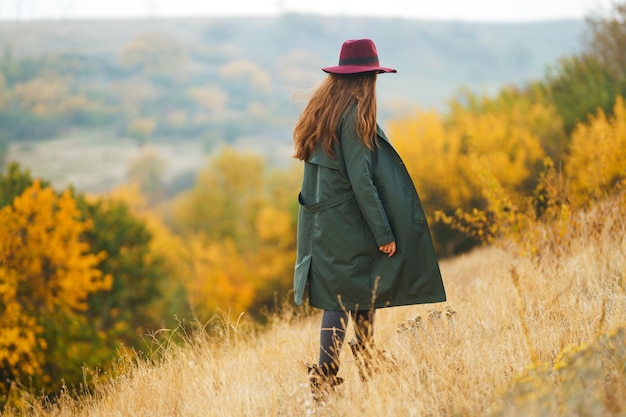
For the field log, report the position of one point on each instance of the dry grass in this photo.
(517, 337)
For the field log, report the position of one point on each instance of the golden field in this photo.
(518, 336)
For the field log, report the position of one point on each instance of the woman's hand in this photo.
(389, 248)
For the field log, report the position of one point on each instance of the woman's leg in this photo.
(332, 335)
(363, 321)
(363, 342)
(323, 376)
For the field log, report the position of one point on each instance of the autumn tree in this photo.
(219, 212)
(137, 299)
(167, 250)
(225, 199)
(597, 161)
(46, 270)
(529, 108)
(594, 170)
(275, 229)
(238, 223)
(222, 277)
(126, 311)
(504, 131)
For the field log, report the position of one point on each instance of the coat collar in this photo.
(381, 134)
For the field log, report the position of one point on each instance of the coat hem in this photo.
(367, 306)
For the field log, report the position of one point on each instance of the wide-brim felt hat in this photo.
(357, 55)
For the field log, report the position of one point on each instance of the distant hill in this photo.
(100, 88)
(433, 58)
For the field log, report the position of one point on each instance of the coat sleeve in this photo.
(358, 162)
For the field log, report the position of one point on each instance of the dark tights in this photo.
(333, 333)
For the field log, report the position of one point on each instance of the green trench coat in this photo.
(351, 204)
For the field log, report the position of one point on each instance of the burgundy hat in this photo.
(357, 55)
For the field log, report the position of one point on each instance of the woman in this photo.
(363, 240)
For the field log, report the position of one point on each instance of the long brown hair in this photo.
(319, 120)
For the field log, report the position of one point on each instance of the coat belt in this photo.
(326, 204)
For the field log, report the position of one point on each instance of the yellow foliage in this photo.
(46, 247)
(503, 215)
(44, 267)
(130, 194)
(225, 199)
(170, 248)
(432, 155)
(439, 154)
(597, 161)
(276, 254)
(223, 273)
(477, 167)
(234, 244)
(510, 149)
(274, 226)
(221, 278)
(518, 221)
(18, 332)
(167, 246)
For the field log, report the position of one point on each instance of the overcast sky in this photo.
(466, 10)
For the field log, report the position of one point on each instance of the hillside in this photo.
(433, 58)
(517, 337)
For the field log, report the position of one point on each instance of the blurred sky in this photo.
(466, 10)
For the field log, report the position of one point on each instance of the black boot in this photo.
(323, 379)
